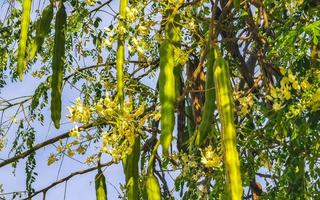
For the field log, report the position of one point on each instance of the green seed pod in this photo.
(167, 94)
(167, 83)
(57, 65)
(191, 126)
(121, 54)
(209, 105)
(225, 109)
(153, 188)
(25, 20)
(236, 4)
(131, 170)
(42, 30)
(100, 185)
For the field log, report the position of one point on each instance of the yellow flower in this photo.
(108, 43)
(52, 158)
(106, 101)
(273, 92)
(143, 30)
(287, 94)
(140, 51)
(2, 143)
(80, 150)
(70, 152)
(305, 85)
(135, 41)
(192, 25)
(210, 158)
(72, 115)
(74, 132)
(296, 85)
(284, 81)
(99, 107)
(282, 71)
(291, 78)
(59, 149)
(294, 111)
(139, 111)
(276, 106)
(269, 97)
(91, 2)
(121, 30)
(89, 160)
(244, 110)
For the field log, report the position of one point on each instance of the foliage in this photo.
(143, 73)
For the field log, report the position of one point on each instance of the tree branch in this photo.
(44, 190)
(101, 6)
(43, 144)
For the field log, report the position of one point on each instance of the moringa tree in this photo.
(197, 99)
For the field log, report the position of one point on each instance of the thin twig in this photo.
(43, 144)
(67, 178)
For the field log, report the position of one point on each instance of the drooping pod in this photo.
(153, 188)
(167, 82)
(152, 184)
(167, 94)
(209, 104)
(100, 186)
(22, 47)
(131, 170)
(120, 53)
(236, 4)
(225, 108)
(57, 65)
(42, 30)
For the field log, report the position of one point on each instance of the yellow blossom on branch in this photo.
(210, 158)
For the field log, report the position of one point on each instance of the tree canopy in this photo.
(197, 99)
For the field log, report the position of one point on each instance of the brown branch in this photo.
(43, 144)
(9, 105)
(44, 190)
(105, 64)
(84, 69)
(190, 3)
(264, 175)
(101, 6)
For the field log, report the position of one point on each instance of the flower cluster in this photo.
(288, 85)
(3, 142)
(296, 94)
(132, 14)
(119, 140)
(79, 112)
(91, 2)
(123, 126)
(246, 103)
(210, 158)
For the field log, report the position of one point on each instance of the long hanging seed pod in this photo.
(236, 4)
(131, 170)
(25, 20)
(120, 54)
(57, 65)
(167, 82)
(152, 184)
(225, 109)
(42, 30)
(100, 186)
(209, 104)
(153, 188)
(131, 162)
(167, 94)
